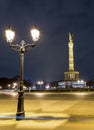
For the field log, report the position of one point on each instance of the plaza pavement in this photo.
(48, 115)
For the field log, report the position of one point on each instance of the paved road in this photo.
(50, 95)
(53, 111)
(61, 96)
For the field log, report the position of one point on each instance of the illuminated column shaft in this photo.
(71, 56)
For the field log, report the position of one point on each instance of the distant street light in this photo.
(21, 47)
(15, 86)
(9, 86)
(81, 83)
(40, 83)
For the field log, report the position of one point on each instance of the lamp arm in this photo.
(29, 46)
(15, 47)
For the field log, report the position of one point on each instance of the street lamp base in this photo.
(20, 115)
(20, 106)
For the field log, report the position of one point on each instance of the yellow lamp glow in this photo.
(35, 33)
(9, 34)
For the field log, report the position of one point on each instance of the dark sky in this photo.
(55, 18)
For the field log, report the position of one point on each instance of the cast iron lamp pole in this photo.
(21, 47)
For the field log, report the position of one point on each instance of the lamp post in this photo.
(40, 83)
(21, 47)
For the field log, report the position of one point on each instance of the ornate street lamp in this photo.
(21, 47)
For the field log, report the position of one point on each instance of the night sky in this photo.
(55, 18)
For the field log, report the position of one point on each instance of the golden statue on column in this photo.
(71, 58)
(71, 75)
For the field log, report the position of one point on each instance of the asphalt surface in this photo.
(48, 111)
(49, 95)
